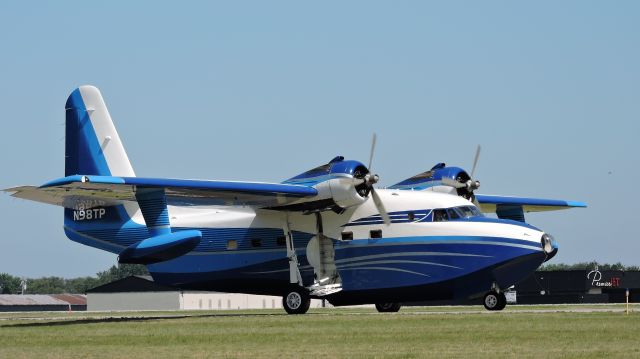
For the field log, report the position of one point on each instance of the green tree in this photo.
(56, 285)
(120, 271)
(586, 266)
(81, 285)
(46, 285)
(9, 284)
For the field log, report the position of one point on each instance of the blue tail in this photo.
(93, 147)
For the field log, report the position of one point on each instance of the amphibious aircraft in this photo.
(326, 233)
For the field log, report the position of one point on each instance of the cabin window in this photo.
(347, 236)
(376, 233)
(281, 241)
(453, 214)
(439, 215)
(232, 244)
(411, 216)
(255, 243)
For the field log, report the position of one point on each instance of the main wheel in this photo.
(296, 300)
(388, 307)
(494, 301)
(502, 301)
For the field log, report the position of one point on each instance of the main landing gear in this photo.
(494, 300)
(388, 307)
(296, 300)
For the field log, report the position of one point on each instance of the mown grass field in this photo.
(465, 332)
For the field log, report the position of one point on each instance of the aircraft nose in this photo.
(549, 246)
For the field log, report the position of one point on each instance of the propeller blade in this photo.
(475, 161)
(378, 202)
(476, 203)
(373, 147)
(453, 183)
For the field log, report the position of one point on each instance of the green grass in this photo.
(348, 333)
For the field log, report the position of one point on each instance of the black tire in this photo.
(388, 307)
(296, 301)
(491, 301)
(502, 301)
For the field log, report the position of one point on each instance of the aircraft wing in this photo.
(108, 190)
(491, 204)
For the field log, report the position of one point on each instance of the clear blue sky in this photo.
(265, 90)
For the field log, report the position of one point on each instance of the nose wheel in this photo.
(494, 301)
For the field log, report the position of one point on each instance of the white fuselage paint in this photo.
(394, 200)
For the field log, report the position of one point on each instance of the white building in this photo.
(141, 293)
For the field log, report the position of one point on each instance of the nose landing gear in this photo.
(494, 300)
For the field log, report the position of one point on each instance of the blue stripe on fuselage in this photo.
(388, 263)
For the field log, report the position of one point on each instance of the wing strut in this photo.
(294, 271)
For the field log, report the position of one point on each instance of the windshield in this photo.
(443, 215)
(469, 211)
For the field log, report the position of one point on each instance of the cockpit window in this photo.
(469, 211)
(466, 211)
(452, 213)
(440, 215)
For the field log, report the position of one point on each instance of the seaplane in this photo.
(327, 233)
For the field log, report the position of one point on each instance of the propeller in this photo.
(475, 161)
(370, 179)
(471, 184)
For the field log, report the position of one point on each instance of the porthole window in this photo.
(347, 236)
(411, 216)
(256, 243)
(232, 244)
(281, 241)
(376, 233)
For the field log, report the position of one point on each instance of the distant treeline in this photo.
(56, 285)
(587, 266)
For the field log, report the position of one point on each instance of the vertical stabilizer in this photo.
(93, 146)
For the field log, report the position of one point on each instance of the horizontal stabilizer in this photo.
(99, 191)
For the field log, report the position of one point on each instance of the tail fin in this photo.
(93, 146)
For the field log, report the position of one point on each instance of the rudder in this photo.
(92, 146)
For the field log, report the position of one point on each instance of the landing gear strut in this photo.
(296, 300)
(388, 307)
(494, 300)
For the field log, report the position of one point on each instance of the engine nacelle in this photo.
(339, 182)
(345, 194)
(432, 181)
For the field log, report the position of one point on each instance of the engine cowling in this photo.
(440, 179)
(339, 183)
